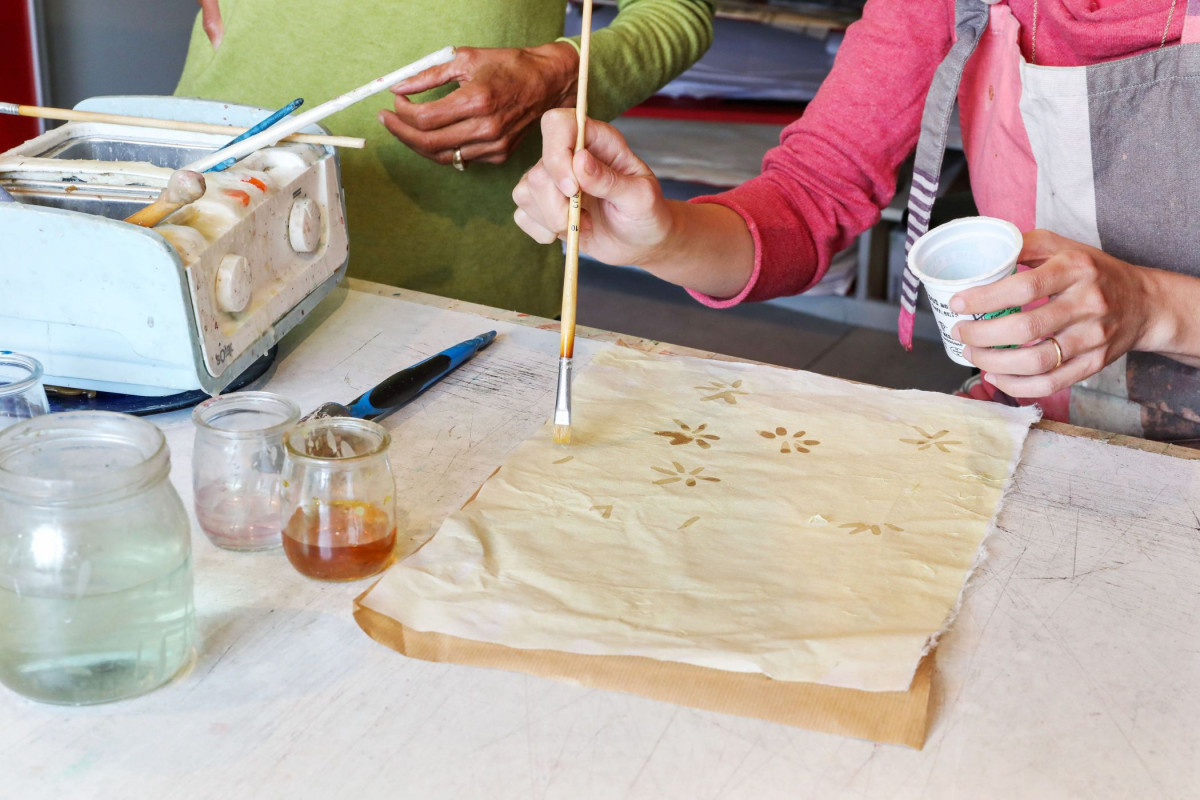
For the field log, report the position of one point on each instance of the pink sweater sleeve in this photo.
(835, 167)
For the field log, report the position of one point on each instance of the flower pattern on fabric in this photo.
(685, 435)
(796, 443)
(928, 440)
(723, 391)
(680, 473)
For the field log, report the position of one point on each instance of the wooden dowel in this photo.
(72, 115)
(571, 267)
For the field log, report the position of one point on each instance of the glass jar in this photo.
(339, 499)
(95, 560)
(22, 396)
(237, 465)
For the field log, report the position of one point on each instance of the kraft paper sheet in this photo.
(732, 517)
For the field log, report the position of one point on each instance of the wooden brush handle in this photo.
(183, 187)
(571, 269)
(71, 115)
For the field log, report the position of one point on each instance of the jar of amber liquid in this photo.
(339, 502)
(95, 560)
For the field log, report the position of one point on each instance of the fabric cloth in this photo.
(734, 516)
(1005, 104)
(414, 223)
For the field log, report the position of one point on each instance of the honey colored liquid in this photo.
(339, 541)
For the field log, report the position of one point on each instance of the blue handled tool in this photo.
(259, 128)
(403, 387)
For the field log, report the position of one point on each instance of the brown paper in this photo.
(887, 717)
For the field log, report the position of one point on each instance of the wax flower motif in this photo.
(861, 527)
(931, 440)
(722, 391)
(682, 474)
(685, 435)
(796, 442)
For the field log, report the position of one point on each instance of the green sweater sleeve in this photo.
(648, 44)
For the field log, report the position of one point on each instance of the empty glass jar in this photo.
(21, 393)
(338, 498)
(236, 467)
(95, 559)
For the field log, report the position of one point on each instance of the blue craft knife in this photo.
(402, 388)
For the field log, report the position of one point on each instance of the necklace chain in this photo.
(1033, 33)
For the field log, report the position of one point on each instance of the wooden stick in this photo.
(183, 187)
(71, 115)
(571, 272)
(562, 403)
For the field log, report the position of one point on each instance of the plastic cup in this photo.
(963, 254)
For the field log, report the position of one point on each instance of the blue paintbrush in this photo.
(259, 128)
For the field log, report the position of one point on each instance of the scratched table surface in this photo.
(1071, 670)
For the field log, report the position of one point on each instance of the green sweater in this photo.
(414, 223)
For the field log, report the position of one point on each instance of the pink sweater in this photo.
(835, 167)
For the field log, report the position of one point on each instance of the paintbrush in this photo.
(183, 187)
(259, 128)
(71, 115)
(292, 124)
(562, 403)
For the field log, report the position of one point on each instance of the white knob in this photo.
(234, 286)
(304, 225)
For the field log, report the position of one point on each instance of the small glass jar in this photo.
(22, 396)
(237, 464)
(339, 499)
(95, 560)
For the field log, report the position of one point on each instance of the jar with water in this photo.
(95, 560)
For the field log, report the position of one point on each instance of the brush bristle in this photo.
(562, 434)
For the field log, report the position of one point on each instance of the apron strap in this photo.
(970, 20)
(1191, 23)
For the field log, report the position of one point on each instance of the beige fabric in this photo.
(732, 516)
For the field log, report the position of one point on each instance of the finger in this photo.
(540, 198)
(439, 75)
(1015, 290)
(1042, 245)
(433, 115)
(214, 27)
(1036, 359)
(1070, 373)
(558, 148)
(540, 234)
(629, 194)
(1018, 328)
(439, 145)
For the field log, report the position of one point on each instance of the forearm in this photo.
(1173, 327)
(648, 44)
(709, 250)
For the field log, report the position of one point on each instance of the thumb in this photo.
(625, 191)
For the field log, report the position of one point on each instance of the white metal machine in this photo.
(188, 304)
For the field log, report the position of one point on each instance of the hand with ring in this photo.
(1083, 309)
(501, 94)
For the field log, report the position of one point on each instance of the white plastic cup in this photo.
(963, 254)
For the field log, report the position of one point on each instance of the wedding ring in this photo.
(1057, 349)
(458, 162)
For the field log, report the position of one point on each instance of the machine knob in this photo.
(234, 286)
(304, 225)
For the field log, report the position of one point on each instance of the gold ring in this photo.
(457, 161)
(1057, 349)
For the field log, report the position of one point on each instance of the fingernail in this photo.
(954, 332)
(399, 87)
(567, 187)
(957, 305)
(379, 117)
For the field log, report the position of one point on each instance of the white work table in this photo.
(1073, 669)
